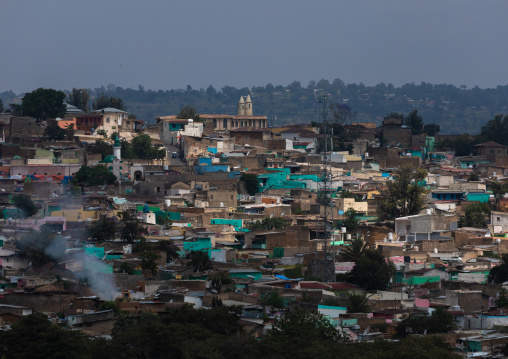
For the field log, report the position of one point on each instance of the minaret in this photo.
(241, 107)
(117, 148)
(248, 106)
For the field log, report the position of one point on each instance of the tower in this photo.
(248, 106)
(117, 148)
(241, 107)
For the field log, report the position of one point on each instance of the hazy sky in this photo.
(164, 44)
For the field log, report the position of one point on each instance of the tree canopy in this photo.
(131, 230)
(251, 182)
(188, 112)
(405, 195)
(25, 204)
(371, 271)
(103, 101)
(44, 103)
(102, 229)
(79, 98)
(95, 176)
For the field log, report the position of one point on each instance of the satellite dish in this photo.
(58, 119)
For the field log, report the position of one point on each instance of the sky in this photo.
(163, 44)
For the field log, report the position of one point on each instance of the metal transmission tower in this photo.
(324, 268)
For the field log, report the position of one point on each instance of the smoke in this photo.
(88, 269)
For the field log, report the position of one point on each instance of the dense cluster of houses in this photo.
(200, 187)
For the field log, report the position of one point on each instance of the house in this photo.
(427, 226)
(490, 147)
(112, 119)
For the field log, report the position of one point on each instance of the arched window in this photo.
(214, 123)
(250, 123)
(241, 123)
(236, 125)
(225, 124)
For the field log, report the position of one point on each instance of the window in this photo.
(214, 123)
(107, 120)
(225, 124)
(498, 219)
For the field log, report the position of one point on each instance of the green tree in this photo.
(104, 148)
(473, 177)
(131, 230)
(34, 336)
(432, 129)
(371, 271)
(299, 326)
(25, 204)
(79, 98)
(267, 224)
(502, 300)
(1, 106)
(102, 229)
(273, 299)
(103, 101)
(33, 246)
(107, 305)
(142, 148)
(55, 133)
(44, 103)
(351, 222)
(347, 194)
(188, 112)
(342, 114)
(353, 251)
(199, 261)
(405, 195)
(496, 130)
(499, 274)
(149, 261)
(475, 215)
(221, 279)
(251, 182)
(95, 176)
(440, 321)
(414, 121)
(358, 303)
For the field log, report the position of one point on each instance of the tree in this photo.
(34, 246)
(267, 224)
(79, 98)
(499, 274)
(25, 204)
(274, 299)
(34, 336)
(149, 261)
(440, 321)
(502, 300)
(1, 106)
(104, 101)
(354, 251)
(475, 215)
(221, 279)
(199, 260)
(142, 148)
(342, 114)
(102, 229)
(131, 230)
(414, 121)
(351, 222)
(473, 177)
(432, 129)
(405, 195)
(358, 303)
(95, 176)
(496, 130)
(251, 182)
(371, 271)
(44, 103)
(110, 304)
(298, 326)
(188, 112)
(102, 147)
(55, 133)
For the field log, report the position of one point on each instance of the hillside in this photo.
(456, 109)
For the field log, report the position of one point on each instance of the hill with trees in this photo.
(449, 106)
